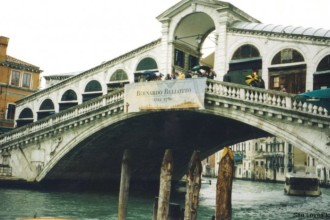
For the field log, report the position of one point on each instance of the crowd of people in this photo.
(252, 79)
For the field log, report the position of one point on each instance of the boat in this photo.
(181, 185)
(302, 184)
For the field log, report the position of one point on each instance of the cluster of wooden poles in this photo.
(193, 185)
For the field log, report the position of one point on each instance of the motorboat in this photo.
(302, 184)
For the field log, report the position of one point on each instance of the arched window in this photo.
(25, 117)
(93, 86)
(46, 109)
(119, 75)
(26, 113)
(146, 65)
(92, 90)
(47, 105)
(69, 95)
(322, 74)
(287, 56)
(246, 51)
(289, 71)
(117, 80)
(69, 99)
(245, 60)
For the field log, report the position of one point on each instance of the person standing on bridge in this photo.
(226, 77)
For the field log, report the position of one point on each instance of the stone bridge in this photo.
(86, 142)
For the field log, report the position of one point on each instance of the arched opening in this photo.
(25, 117)
(117, 80)
(194, 42)
(68, 100)
(46, 109)
(322, 74)
(93, 89)
(245, 60)
(146, 70)
(288, 71)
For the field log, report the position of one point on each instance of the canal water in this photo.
(250, 200)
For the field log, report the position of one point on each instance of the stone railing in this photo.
(271, 98)
(61, 117)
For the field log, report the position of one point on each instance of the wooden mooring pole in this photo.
(193, 186)
(124, 185)
(223, 209)
(166, 173)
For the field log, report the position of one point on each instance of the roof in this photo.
(301, 175)
(19, 64)
(62, 75)
(271, 28)
(216, 4)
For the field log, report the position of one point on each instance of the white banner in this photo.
(167, 94)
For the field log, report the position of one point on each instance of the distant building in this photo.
(53, 79)
(267, 159)
(18, 79)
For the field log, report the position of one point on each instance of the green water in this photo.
(250, 200)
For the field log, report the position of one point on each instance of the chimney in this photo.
(3, 48)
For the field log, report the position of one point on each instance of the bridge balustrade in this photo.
(62, 116)
(274, 99)
(267, 97)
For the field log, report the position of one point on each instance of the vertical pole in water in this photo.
(124, 185)
(224, 185)
(193, 186)
(166, 172)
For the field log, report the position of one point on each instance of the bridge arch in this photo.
(189, 32)
(172, 129)
(176, 130)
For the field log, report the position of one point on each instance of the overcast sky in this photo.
(63, 36)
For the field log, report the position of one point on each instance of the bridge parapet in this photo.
(278, 105)
(278, 102)
(67, 115)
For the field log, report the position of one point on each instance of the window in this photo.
(246, 51)
(147, 64)
(11, 111)
(69, 95)
(93, 86)
(26, 80)
(193, 61)
(287, 56)
(276, 82)
(179, 58)
(15, 77)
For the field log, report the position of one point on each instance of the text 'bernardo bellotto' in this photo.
(162, 92)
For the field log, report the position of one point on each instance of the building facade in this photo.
(18, 79)
(268, 159)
